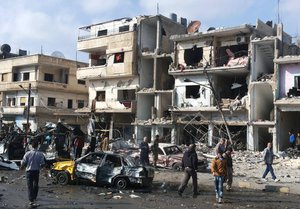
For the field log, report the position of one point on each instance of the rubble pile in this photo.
(290, 153)
(251, 165)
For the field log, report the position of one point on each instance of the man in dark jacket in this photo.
(268, 156)
(144, 152)
(189, 165)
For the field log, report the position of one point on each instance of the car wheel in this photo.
(62, 178)
(176, 167)
(121, 183)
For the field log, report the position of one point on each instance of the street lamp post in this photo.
(28, 107)
(216, 100)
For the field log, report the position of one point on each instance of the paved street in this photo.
(162, 195)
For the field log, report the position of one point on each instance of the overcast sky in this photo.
(52, 25)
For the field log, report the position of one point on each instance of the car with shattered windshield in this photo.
(103, 168)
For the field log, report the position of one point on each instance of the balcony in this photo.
(55, 86)
(17, 110)
(34, 110)
(116, 107)
(112, 71)
(123, 40)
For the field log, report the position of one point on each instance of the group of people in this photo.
(294, 140)
(145, 150)
(221, 168)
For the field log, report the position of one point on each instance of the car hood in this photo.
(63, 165)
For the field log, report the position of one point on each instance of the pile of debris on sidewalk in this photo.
(250, 164)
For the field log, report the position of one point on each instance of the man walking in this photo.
(189, 165)
(268, 156)
(33, 161)
(218, 169)
(229, 168)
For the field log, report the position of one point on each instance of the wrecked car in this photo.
(170, 156)
(103, 168)
(7, 164)
(12, 146)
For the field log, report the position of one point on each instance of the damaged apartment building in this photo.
(225, 85)
(287, 94)
(36, 89)
(130, 90)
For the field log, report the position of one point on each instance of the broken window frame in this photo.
(119, 57)
(194, 89)
(80, 103)
(101, 95)
(98, 59)
(126, 96)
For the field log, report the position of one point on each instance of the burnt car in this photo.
(103, 168)
(170, 156)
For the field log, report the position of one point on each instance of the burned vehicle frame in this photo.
(103, 168)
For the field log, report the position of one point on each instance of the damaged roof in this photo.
(219, 32)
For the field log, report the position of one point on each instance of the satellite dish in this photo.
(58, 54)
(5, 48)
(193, 26)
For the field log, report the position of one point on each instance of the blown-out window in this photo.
(192, 91)
(119, 57)
(100, 96)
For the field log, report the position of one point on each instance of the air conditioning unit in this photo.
(240, 39)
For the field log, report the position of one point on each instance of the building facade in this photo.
(47, 85)
(224, 86)
(129, 85)
(287, 98)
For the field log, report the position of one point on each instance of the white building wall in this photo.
(181, 100)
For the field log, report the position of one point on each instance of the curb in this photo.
(272, 188)
(267, 188)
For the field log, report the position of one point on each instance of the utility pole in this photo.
(218, 104)
(28, 109)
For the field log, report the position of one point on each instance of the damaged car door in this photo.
(111, 167)
(88, 166)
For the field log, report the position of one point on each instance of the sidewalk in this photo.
(206, 179)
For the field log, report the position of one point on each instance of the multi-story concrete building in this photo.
(222, 85)
(47, 85)
(287, 97)
(129, 85)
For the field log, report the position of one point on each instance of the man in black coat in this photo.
(189, 165)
